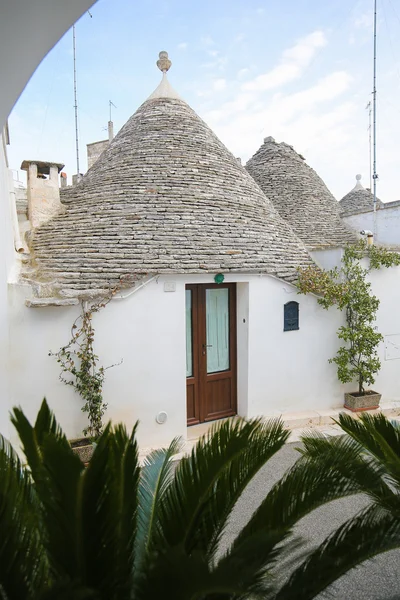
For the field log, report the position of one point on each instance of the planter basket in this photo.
(368, 401)
(84, 452)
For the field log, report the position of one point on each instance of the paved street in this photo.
(377, 579)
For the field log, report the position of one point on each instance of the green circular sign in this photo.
(219, 278)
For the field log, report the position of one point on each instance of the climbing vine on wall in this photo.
(349, 289)
(80, 365)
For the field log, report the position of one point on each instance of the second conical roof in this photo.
(299, 195)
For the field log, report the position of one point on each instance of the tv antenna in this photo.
(374, 173)
(76, 99)
(369, 108)
(111, 104)
(75, 104)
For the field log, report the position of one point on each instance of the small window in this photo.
(291, 316)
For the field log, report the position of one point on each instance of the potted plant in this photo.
(79, 368)
(349, 290)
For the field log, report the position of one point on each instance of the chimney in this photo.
(76, 179)
(43, 191)
(63, 179)
(110, 131)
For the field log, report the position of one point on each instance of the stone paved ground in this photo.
(377, 579)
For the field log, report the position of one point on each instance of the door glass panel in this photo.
(217, 329)
(189, 335)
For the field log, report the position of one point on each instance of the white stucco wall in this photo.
(289, 371)
(386, 286)
(7, 264)
(328, 259)
(146, 330)
(387, 223)
(277, 371)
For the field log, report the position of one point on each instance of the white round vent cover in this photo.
(161, 417)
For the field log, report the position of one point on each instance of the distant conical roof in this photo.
(299, 195)
(166, 196)
(358, 200)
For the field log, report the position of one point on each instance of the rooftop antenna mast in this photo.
(111, 104)
(374, 173)
(369, 107)
(76, 101)
(75, 105)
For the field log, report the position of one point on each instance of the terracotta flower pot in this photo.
(359, 402)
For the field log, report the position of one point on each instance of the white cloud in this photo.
(242, 72)
(365, 21)
(230, 109)
(219, 85)
(218, 64)
(281, 110)
(206, 40)
(312, 117)
(294, 61)
(326, 89)
(182, 46)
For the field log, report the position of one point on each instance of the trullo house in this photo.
(204, 253)
(357, 210)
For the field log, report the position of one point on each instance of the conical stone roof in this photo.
(299, 195)
(166, 196)
(358, 200)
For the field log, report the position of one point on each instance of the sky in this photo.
(297, 70)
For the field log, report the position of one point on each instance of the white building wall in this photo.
(327, 259)
(289, 370)
(277, 371)
(7, 264)
(387, 223)
(386, 286)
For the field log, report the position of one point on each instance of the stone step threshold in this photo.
(299, 424)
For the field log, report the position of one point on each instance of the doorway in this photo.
(211, 370)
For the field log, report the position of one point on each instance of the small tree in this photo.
(348, 289)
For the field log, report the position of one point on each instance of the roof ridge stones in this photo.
(299, 195)
(165, 197)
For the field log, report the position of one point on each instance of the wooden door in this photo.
(210, 352)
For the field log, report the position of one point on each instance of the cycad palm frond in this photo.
(155, 478)
(114, 531)
(369, 456)
(88, 516)
(369, 459)
(348, 457)
(379, 438)
(20, 543)
(208, 483)
(371, 532)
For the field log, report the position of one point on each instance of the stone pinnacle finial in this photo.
(358, 185)
(163, 63)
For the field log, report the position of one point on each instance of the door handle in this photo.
(206, 346)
